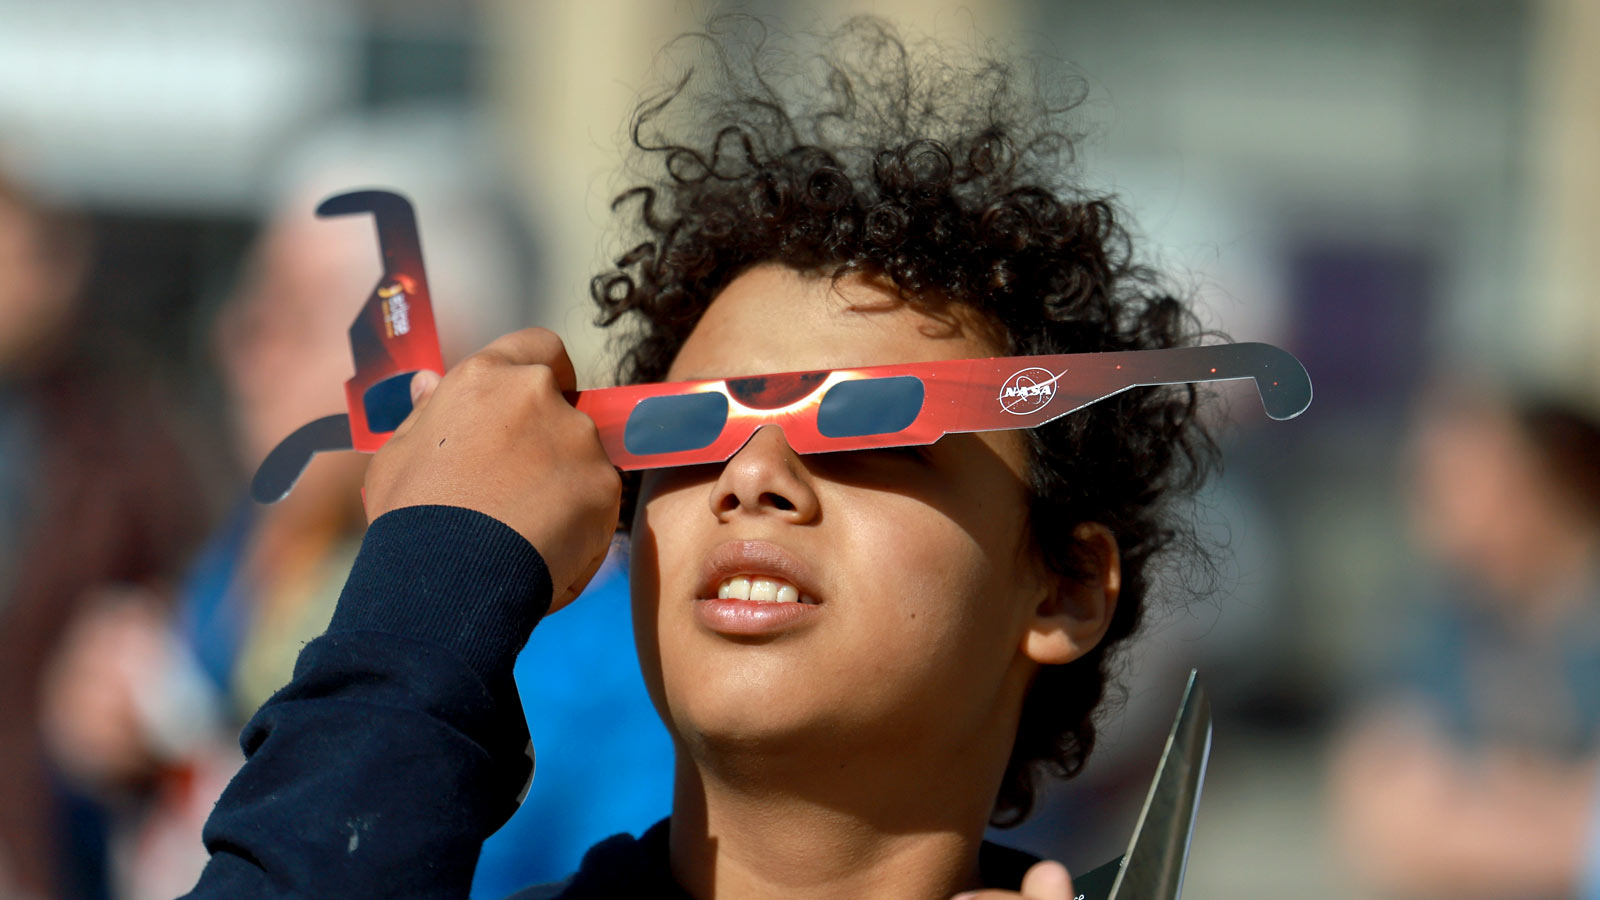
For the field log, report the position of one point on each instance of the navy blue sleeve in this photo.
(399, 745)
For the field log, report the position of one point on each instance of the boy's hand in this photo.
(496, 435)
(1047, 880)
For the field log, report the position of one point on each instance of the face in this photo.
(1482, 500)
(917, 585)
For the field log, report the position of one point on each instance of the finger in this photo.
(536, 346)
(1047, 880)
(423, 384)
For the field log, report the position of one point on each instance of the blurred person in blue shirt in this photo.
(269, 578)
(1474, 772)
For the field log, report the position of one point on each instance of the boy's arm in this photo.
(400, 744)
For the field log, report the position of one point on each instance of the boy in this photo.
(862, 658)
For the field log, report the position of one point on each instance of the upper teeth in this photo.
(761, 590)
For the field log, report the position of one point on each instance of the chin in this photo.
(741, 711)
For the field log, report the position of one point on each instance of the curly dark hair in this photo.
(952, 182)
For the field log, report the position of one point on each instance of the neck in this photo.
(839, 825)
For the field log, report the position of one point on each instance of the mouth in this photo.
(757, 572)
(755, 588)
(762, 589)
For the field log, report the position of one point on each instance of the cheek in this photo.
(659, 548)
(665, 521)
(934, 672)
(644, 582)
(934, 605)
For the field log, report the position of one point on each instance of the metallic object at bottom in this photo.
(1158, 853)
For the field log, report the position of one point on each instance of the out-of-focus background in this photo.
(1403, 654)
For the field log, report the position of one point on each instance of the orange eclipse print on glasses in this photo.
(685, 423)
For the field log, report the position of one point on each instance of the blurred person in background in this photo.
(1474, 775)
(270, 576)
(100, 506)
(148, 699)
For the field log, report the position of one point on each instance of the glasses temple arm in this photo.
(1280, 379)
(398, 240)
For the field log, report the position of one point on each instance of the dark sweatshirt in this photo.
(399, 746)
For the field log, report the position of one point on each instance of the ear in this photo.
(1073, 615)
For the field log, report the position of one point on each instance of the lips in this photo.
(755, 560)
(740, 570)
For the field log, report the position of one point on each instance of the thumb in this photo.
(1047, 880)
(423, 384)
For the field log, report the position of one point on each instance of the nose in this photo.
(765, 477)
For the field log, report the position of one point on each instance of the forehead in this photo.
(774, 319)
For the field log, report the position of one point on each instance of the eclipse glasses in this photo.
(694, 422)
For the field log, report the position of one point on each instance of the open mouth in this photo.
(761, 589)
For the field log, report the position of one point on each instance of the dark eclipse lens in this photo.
(675, 423)
(388, 403)
(870, 406)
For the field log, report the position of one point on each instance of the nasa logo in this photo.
(1029, 390)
